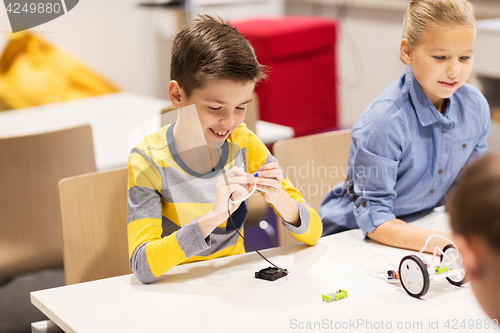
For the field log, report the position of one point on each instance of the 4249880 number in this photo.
(454, 324)
(48, 8)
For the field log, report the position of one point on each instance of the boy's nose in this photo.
(227, 120)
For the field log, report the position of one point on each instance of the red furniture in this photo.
(301, 90)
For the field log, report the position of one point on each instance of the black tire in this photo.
(455, 283)
(403, 275)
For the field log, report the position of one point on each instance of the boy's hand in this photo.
(269, 181)
(233, 181)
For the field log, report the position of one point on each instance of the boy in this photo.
(475, 219)
(188, 178)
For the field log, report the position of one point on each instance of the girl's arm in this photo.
(400, 234)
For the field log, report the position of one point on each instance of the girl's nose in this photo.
(453, 69)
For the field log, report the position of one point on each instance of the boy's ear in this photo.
(405, 51)
(175, 93)
(473, 256)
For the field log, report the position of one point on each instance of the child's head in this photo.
(475, 218)
(215, 68)
(423, 15)
(208, 48)
(438, 43)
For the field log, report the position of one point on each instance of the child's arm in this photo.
(226, 185)
(269, 183)
(150, 254)
(301, 220)
(400, 234)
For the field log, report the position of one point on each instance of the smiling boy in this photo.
(182, 178)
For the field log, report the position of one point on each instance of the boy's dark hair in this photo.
(209, 48)
(475, 205)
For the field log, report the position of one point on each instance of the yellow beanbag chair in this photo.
(32, 72)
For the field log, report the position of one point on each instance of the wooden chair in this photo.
(94, 225)
(31, 166)
(314, 164)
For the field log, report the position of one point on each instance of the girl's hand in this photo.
(269, 181)
(236, 182)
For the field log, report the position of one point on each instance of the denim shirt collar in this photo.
(426, 112)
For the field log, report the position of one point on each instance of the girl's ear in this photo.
(175, 93)
(405, 52)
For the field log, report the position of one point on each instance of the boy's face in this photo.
(441, 61)
(221, 106)
(482, 264)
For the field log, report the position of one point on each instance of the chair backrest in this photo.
(314, 164)
(30, 167)
(94, 225)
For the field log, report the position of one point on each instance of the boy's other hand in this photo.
(269, 181)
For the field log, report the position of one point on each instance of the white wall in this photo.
(115, 38)
(369, 38)
(368, 50)
(237, 9)
(127, 44)
(130, 45)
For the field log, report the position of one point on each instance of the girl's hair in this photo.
(423, 15)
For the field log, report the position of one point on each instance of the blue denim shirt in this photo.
(405, 155)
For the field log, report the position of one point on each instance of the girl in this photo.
(411, 142)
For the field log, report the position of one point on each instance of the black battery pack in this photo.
(271, 273)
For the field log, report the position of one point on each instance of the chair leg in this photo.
(45, 326)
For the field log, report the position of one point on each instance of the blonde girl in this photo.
(411, 143)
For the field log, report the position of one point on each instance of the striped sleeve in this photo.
(150, 254)
(311, 227)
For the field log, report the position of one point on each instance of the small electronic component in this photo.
(392, 275)
(441, 270)
(336, 296)
(271, 273)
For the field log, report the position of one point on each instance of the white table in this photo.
(222, 295)
(113, 117)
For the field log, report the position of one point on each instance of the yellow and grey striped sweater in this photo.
(166, 198)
